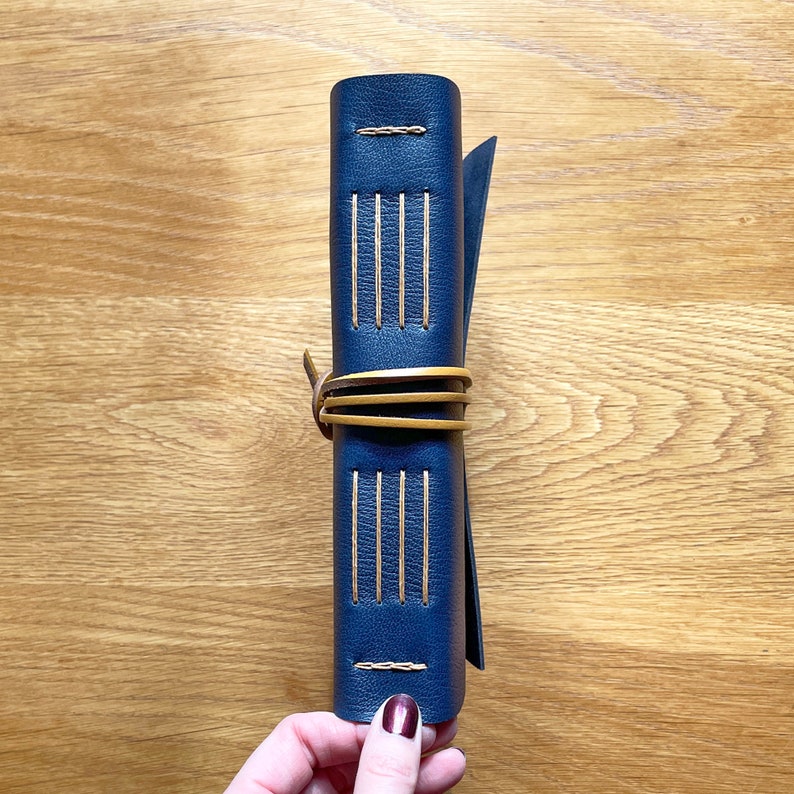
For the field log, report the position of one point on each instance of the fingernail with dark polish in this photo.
(401, 715)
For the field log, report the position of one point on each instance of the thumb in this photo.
(389, 762)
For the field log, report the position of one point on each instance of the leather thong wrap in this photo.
(404, 247)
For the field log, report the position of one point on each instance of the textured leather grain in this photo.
(477, 166)
(402, 275)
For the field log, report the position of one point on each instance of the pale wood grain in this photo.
(165, 497)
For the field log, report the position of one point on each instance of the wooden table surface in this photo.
(165, 576)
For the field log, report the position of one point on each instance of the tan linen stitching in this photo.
(426, 264)
(402, 536)
(355, 536)
(426, 539)
(354, 258)
(402, 260)
(415, 129)
(377, 261)
(378, 559)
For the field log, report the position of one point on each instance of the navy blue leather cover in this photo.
(477, 166)
(427, 168)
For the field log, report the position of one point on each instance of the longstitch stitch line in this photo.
(378, 559)
(402, 536)
(402, 259)
(415, 129)
(355, 536)
(377, 262)
(426, 264)
(354, 258)
(426, 539)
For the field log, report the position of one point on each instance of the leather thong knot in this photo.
(374, 388)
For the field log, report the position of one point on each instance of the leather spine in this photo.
(396, 232)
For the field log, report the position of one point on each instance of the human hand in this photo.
(318, 753)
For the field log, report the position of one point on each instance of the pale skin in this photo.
(318, 753)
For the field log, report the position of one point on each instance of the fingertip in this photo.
(400, 715)
(429, 734)
(391, 755)
(442, 770)
(445, 733)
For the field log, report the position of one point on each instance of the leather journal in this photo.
(405, 227)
